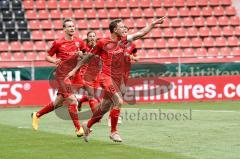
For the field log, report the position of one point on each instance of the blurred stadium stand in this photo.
(192, 28)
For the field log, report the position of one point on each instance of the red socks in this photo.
(114, 114)
(97, 115)
(46, 109)
(72, 109)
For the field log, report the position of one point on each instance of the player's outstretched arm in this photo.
(52, 60)
(146, 30)
(81, 61)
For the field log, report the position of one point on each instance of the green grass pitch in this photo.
(204, 130)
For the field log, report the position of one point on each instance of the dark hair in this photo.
(66, 20)
(91, 31)
(113, 24)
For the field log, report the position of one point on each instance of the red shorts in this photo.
(64, 88)
(109, 84)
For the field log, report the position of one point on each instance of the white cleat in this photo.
(115, 137)
(86, 131)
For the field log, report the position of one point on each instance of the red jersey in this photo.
(111, 54)
(66, 48)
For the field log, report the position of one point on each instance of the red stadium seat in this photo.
(207, 11)
(190, 3)
(213, 52)
(82, 24)
(6, 56)
(31, 14)
(234, 21)
(176, 22)
(189, 52)
(142, 53)
(99, 4)
(15, 46)
(216, 31)
(228, 31)
(192, 32)
(173, 43)
(133, 3)
(199, 22)
(52, 4)
(176, 53)
(197, 42)
(105, 23)
(185, 42)
(153, 53)
(233, 41)
(184, 12)
(34, 24)
(164, 53)
(76, 4)
(168, 3)
(157, 3)
(145, 3)
(156, 33)
(28, 4)
(46, 24)
(27, 46)
(79, 14)
(40, 4)
(50, 35)
(179, 3)
(236, 51)
(160, 12)
(40, 46)
(55, 14)
(42, 55)
(237, 31)
(18, 56)
(140, 23)
(128, 22)
(169, 32)
(218, 11)
(211, 21)
(122, 3)
(57, 24)
(137, 12)
(172, 12)
(230, 11)
(31, 56)
(99, 33)
(43, 14)
(4, 46)
(225, 51)
(102, 13)
(223, 21)
(208, 42)
(91, 13)
(64, 4)
(160, 43)
(180, 32)
(220, 42)
(94, 23)
(114, 13)
(187, 22)
(148, 12)
(67, 13)
(111, 4)
(201, 52)
(59, 34)
(125, 13)
(226, 2)
(204, 31)
(213, 2)
(138, 43)
(37, 35)
(195, 12)
(87, 4)
(202, 3)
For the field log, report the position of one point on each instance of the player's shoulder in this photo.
(58, 41)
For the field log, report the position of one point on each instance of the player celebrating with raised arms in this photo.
(110, 50)
(68, 47)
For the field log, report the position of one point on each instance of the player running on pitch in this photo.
(65, 48)
(110, 49)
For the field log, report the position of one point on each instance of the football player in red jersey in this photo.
(111, 51)
(65, 48)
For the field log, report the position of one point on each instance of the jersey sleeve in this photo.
(98, 48)
(83, 46)
(133, 49)
(53, 49)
